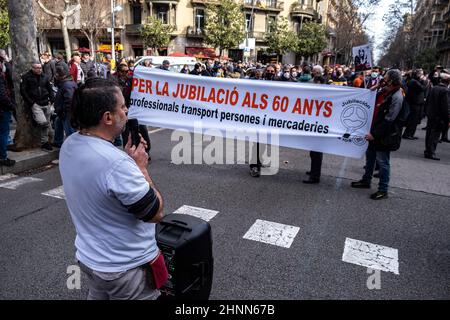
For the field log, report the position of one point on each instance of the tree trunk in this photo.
(65, 33)
(22, 31)
(92, 44)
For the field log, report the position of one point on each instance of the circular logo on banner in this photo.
(354, 117)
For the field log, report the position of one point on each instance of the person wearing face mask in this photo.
(339, 79)
(384, 136)
(294, 74)
(286, 76)
(374, 78)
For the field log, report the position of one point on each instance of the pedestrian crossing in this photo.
(357, 252)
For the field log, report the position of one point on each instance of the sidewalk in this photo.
(28, 159)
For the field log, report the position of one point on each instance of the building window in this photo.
(199, 20)
(136, 12)
(248, 22)
(271, 3)
(162, 13)
(270, 25)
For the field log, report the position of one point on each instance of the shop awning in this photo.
(201, 53)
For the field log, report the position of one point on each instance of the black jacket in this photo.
(64, 97)
(88, 68)
(49, 69)
(416, 92)
(385, 129)
(438, 104)
(36, 89)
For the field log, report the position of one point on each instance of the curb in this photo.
(29, 159)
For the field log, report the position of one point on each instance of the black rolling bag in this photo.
(186, 244)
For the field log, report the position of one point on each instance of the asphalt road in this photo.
(37, 235)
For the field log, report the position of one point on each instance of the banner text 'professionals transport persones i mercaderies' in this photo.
(325, 118)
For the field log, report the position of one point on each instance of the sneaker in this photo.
(408, 138)
(46, 146)
(56, 145)
(361, 184)
(255, 172)
(376, 175)
(379, 195)
(7, 162)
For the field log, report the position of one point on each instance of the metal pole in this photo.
(113, 51)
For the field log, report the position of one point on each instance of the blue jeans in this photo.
(5, 119)
(62, 126)
(382, 158)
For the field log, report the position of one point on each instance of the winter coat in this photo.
(64, 97)
(36, 89)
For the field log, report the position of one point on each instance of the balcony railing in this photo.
(258, 35)
(270, 5)
(133, 29)
(302, 9)
(192, 32)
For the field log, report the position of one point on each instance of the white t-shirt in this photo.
(99, 180)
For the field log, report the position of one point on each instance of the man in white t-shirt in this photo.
(112, 200)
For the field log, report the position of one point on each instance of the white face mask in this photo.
(294, 74)
(287, 75)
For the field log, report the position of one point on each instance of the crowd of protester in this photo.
(48, 88)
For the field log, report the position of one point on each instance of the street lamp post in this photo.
(114, 9)
(113, 51)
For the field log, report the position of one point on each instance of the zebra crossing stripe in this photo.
(277, 234)
(201, 213)
(14, 184)
(56, 193)
(7, 176)
(370, 255)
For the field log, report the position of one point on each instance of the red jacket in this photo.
(73, 70)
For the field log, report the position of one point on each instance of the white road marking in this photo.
(7, 176)
(18, 182)
(201, 213)
(156, 130)
(56, 193)
(371, 255)
(272, 233)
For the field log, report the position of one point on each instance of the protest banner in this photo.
(324, 118)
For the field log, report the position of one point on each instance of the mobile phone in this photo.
(133, 126)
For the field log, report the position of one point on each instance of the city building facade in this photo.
(188, 18)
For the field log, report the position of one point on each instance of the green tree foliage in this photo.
(426, 59)
(155, 34)
(4, 24)
(280, 38)
(312, 39)
(225, 25)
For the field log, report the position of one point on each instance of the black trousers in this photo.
(434, 130)
(316, 164)
(413, 120)
(252, 157)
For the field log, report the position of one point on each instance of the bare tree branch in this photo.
(47, 11)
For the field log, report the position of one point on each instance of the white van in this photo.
(176, 63)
